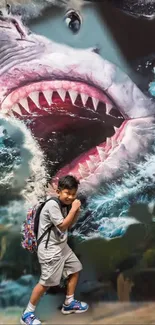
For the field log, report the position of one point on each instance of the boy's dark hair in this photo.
(68, 182)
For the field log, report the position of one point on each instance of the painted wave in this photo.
(105, 214)
(109, 213)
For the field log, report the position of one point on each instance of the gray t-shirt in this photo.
(51, 214)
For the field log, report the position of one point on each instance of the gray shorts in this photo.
(60, 266)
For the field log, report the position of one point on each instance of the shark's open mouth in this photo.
(86, 114)
(94, 113)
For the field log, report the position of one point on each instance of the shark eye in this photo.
(8, 7)
(73, 21)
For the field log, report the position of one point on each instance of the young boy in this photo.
(57, 258)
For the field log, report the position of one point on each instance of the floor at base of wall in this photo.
(102, 313)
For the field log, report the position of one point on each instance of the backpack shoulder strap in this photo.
(59, 203)
(48, 230)
(56, 200)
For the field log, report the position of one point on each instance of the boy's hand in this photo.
(76, 205)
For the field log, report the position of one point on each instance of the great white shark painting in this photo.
(82, 107)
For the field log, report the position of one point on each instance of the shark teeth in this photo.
(73, 95)
(108, 108)
(35, 98)
(91, 165)
(24, 103)
(108, 142)
(48, 96)
(116, 129)
(84, 98)
(82, 167)
(83, 171)
(16, 109)
(62, 94)
(114, 143)
(93, 159)
(95, 103)
(101, 153)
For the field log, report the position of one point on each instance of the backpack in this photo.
(30, 227)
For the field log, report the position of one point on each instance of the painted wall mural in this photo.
(77, 96)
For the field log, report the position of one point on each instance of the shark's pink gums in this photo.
(60, 87)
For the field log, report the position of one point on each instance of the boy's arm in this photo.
(70, 217)
(75, 218)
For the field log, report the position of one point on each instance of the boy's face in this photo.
(67, 196)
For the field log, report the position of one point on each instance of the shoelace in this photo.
(78, 302)
(32, 317)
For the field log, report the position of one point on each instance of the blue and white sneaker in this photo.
(29, 319)
(74, 307)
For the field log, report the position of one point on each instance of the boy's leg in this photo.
(37, 293)
(50, 276)
(71, 286)
(72, 268)
(28, 316)
(72, 283)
